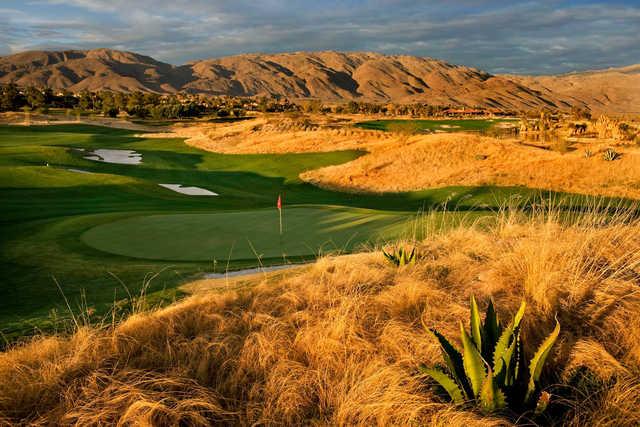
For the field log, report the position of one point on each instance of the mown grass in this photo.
(432, 125)
(246, 234)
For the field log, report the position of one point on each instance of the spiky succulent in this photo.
(401, 257)
(491, 370)
(610, 155)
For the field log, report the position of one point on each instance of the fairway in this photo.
(250, 235)
(461, 125)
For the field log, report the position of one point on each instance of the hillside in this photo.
(615, 90)
(339, 342)
(330, 76)
(92, 70)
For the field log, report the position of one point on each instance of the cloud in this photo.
(544, 36)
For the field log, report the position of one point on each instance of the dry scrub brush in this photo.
(339, 342)
(440, 160)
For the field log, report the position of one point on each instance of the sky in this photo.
(526, 37)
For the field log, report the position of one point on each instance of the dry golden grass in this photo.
(426, 161)
(278, 134)
(338, 342)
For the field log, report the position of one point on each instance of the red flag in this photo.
(279, 202)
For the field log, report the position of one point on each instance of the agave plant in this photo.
(401, 257)
(492, 371)
(610, 155)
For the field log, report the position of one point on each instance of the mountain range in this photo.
(329, 76)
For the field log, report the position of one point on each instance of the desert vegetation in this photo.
(492, 369)
(425, 161)
(341, 341)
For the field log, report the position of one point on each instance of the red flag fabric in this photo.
(279, 202)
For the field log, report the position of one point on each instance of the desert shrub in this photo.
(588, 154)
(610, 155)
(492, 371)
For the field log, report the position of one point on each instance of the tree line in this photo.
(184, 105)
(135, 104)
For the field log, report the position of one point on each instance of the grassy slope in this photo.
(339, 342)
(47, 209)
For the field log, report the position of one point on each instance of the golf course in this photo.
(91, 215)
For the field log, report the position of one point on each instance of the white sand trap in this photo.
(79, 171)
(190, 191)
(251, 271)
(449, 126)
(122, 157)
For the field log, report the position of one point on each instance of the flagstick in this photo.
(279, 204)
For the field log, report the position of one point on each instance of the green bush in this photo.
(492, 371)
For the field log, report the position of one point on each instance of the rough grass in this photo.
(426, 161)
(338, 342)
(278, 135)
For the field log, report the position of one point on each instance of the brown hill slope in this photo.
(366, 76)
(92, 70)
(613, 90)
(330, 76)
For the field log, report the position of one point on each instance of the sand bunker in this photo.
(122, 157)
(251, 271)
(190, 191)
(79, 171)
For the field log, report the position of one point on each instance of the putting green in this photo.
(246, 234)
